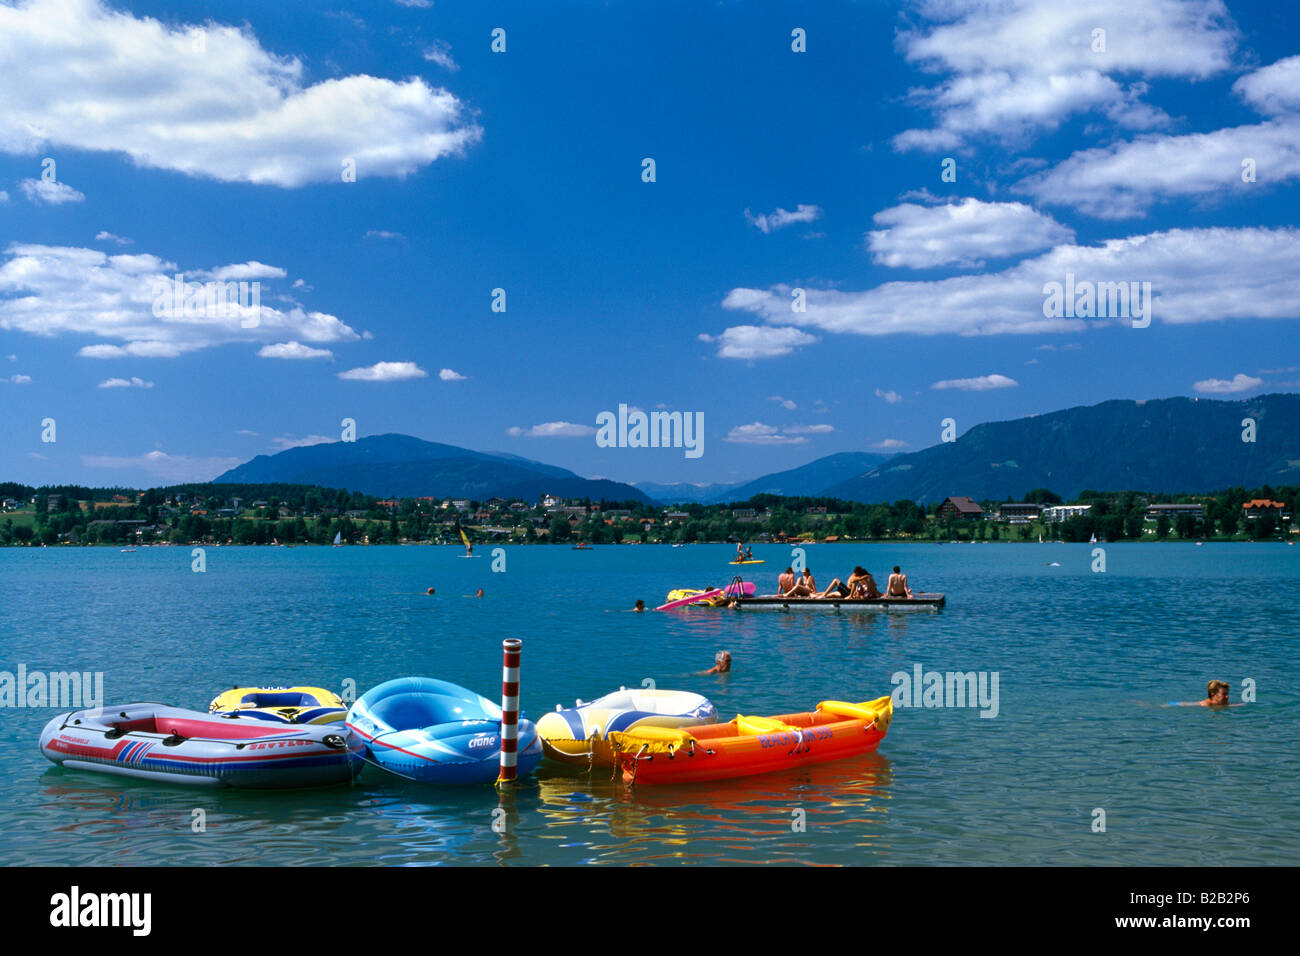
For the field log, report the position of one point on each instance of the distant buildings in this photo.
(959, 506)
(1018, 512)
(1053, 514)
(1155, 512)
(1258, 507)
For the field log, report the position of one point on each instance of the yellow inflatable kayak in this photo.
(285, 705)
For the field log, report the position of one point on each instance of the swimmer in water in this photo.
(478, 593)
(640, 606)
(430, 591)
(1216, 695)
(721, 663)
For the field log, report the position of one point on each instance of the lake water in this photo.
(1084, 662)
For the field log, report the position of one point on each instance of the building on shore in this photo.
(1054, 514)
(960, 507)
(1192, 510)
(1018, 512)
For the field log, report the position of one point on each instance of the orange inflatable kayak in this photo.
(751, 745)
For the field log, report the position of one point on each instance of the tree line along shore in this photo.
(302, 514)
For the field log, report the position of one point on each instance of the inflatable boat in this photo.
(171, 745)
(579, 735)
(751, 745)
(284, 705)
(435, 732)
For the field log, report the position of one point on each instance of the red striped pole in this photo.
(509, 709)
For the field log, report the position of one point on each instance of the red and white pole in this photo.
(509, 710)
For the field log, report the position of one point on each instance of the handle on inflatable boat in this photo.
(334, 740)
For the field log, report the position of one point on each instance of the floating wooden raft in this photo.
(922, 599)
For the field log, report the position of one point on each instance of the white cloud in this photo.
(44, 191)
(450, 375)
(383, 234)
(1197, 275)
(54, 290)
(1015, 67)
(981, 384)
(1126, 179)
(1218, 386)
(961, 234)
(132, 382)
(105, 236)
(781, 218)
(890, 444)
(786, 403)
(172, 468)
(18, 379)
(282, 442)
(752, 341)
(292, 350)
(4, 196)
(807, 429)
(757, 433)
(245, 270)
(416, 4)
(384, 372)
(1272, 89)
(552, 430)
(440, 53)
(208, 100)
(891, 396)
(245, 431)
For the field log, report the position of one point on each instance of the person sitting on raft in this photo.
(804, 587)
(859, 585)
(721, 663)
(785, 583)
(897, 587)
(740, 551)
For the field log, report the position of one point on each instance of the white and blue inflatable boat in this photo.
(171, 745)
(436, 732)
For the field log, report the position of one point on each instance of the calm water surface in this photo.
(1084, 662)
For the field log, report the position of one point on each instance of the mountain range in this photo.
(1160, 445)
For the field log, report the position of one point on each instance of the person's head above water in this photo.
(722, 660)
(1216, 691)
(640, 605)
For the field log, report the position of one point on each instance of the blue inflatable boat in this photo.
(435, 732)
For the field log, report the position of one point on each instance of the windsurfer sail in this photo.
(469, 547)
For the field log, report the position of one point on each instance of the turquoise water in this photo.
(1084, 661)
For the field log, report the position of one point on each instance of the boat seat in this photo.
(752, 726)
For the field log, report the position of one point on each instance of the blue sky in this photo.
(208, 139)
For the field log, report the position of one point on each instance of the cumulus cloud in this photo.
(450, 375)
(383, 234)
(891, 396)
(890, 444)
(1219, 386)
(105, 236)
(961, 234)
(808, 429)
(1196, 275)
(132, 382)
(1126, 179)
(18, 379)
(753, 341)
(756, 433)
(171, 468)
(292, 350)
(785, 403)
(47, 192)
(1272, 89)
(384, 372)
(208, 100)
(981, 384)
(245, 270)
(55, 290)
(1013, 68)
(552, 430)
(766, 223)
